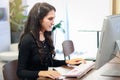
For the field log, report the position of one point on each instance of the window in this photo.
(85, 19)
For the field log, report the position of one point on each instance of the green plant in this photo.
(58, 26)
(17, 18)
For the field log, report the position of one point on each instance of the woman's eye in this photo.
(50, 18)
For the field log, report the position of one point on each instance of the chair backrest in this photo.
(68, 47)
(9, 70)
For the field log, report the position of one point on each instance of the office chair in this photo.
(68, 48)
(9, 70)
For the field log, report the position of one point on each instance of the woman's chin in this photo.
(49, 30)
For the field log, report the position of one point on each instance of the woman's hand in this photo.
(51, 74)
(75, 61)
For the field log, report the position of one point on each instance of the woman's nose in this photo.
(53, 23)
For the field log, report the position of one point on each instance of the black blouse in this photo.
(29, 62)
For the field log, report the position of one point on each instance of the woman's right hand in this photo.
(51, 74)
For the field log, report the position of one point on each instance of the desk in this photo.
(96, 74)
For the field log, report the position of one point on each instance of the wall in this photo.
(4, 27)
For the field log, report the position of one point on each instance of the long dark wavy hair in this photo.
(37, 13)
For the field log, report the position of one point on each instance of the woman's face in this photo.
(48, 21)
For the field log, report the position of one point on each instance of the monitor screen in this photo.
(109, 34)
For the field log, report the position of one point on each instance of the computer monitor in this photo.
(109, 34)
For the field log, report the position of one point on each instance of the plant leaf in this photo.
(58, 26)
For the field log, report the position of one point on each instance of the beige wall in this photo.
(116, 7)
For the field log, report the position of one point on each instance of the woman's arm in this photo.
(24, 57)
(57, 63)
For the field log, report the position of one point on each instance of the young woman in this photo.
(36, 50)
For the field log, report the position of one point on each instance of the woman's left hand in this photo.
(76, 61)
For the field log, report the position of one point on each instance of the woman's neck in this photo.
(41, 37)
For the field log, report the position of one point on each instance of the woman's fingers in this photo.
(53, 74)
(76, 61)
(80, 60)
(50, 76)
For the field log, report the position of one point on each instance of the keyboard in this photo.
(80, 70)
